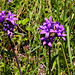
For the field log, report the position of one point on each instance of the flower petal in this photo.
(49, 25)
(42, 38)
(64, 35)
(61, 27)
(15, 18)
(43, 32)
(57, 22)
(8, 32)
(7, 18)
(9, 13)
(46, 20)
(5, 29)
(49, 44)
(50, 19)
(59, 34)
(12, 21)
(44, 23)
(56, 26)
(44, 43)
(14, 15)
(64, 38)
(11, 34)
(47, 35)
(51, 30)
(3, 12)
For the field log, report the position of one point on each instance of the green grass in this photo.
(31, 14)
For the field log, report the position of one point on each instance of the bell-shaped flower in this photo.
(51, 30)
(2, 16)
(11, 17)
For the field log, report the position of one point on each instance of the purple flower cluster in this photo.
(51, 30)
(8, 22)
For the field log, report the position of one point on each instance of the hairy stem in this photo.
(49, 62)
(12, 46)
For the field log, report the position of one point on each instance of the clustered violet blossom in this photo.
(8, 22)
(51, 30)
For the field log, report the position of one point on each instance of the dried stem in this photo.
(12, 45)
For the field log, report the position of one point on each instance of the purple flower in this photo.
(2, 16)
(19, 55)
(71, 49)
(51, 30)
(41, 66)
(47, 41)
(60, 30)
(26, 46)
(10, 30)
(8, 22)
(47, 27)
(11, 17)
(5, 26)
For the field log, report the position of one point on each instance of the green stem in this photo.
(58, 61)
(4, 65)
(65, 60)
(49, 62)
(58, 10)
(12, 46)
(68, 41)
(45, 54)
(64, 12)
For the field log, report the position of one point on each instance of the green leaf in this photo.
(8, 53)
(54, 62)
(1, 64)
(68, 41)
(53, 59)
(27, 28)
(20, 21)
(16, 71)
(72, 16)
(53, 65)
(25, 21)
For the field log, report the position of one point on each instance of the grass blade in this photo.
(68, 41)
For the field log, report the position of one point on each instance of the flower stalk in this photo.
(8, 22)
(49, 62)
(12, 46)
(50, 30)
